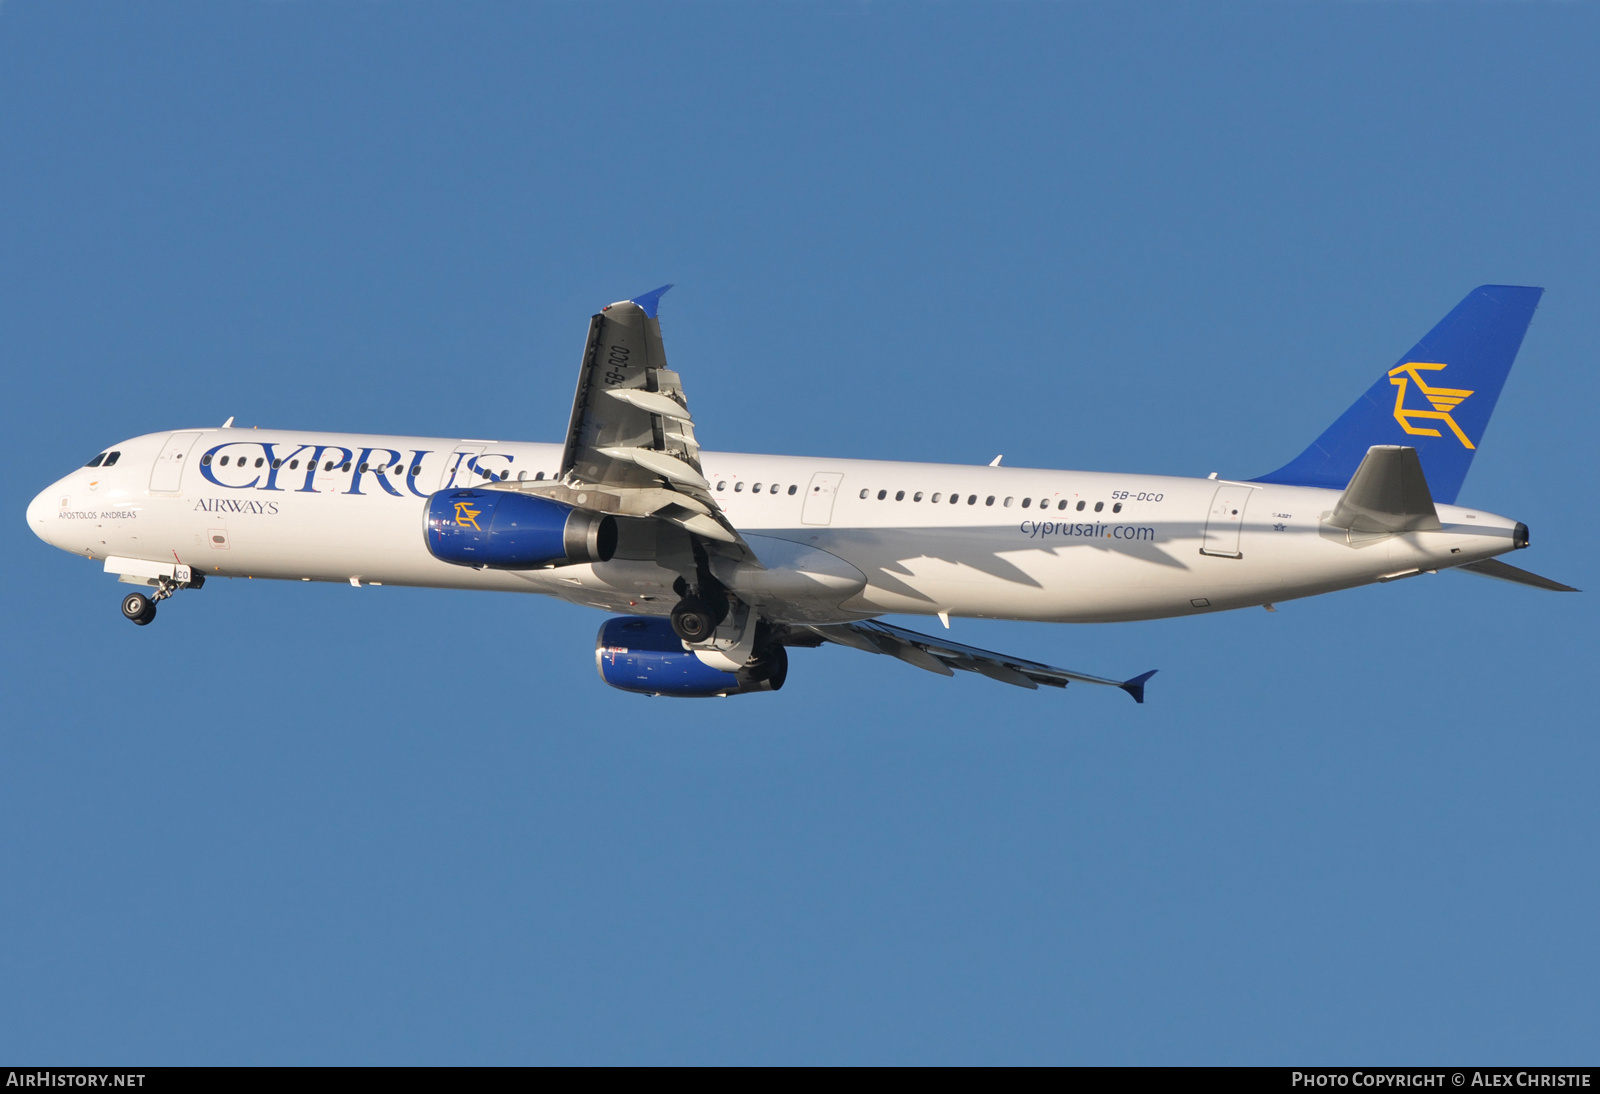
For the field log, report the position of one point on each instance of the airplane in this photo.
(715, 564)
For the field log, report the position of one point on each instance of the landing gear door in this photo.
(167, 475)
(820, 496)
(1225, 521)
(461, 468)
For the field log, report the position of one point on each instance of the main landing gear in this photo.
(703, 606)
(694, 620)
(140, 608)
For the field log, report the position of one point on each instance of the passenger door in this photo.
(820, 496)
(166, 477)
(458, 468)
(1225, 521)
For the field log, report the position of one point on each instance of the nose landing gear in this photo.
(140, 608)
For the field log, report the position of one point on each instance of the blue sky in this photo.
(320, 825)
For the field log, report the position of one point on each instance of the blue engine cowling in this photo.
(642, 654)
(508, 531)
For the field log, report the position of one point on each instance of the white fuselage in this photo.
(841, 539)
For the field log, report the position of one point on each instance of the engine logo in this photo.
(467, 517)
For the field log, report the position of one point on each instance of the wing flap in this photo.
(926, 652)
(628, 401)
(631, 447)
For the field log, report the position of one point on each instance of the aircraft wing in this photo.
(941, 656)
(630, 447)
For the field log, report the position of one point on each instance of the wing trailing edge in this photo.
(942, 656)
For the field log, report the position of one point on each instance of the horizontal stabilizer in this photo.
(1493, 567)
(1388, 493)
(941, 656)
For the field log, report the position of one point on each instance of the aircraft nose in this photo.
(39, 514)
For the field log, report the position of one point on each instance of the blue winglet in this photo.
(1135, 687)
(651, 300)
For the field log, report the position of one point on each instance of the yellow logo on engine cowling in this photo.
(466, 516)
(1444, 400)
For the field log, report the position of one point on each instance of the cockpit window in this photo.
(96, 461)
(111, 459)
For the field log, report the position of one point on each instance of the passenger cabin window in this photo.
(96, 461)
(882, 494)
(326, 467)
(1117, 508)
(1081, 504)
(260, 460)
(538, 477)
(1006, 503)
(917, 496)
(111, 459)
(1063, 503)
(792, 489)
(737, 487)
(755, 488)
(206, 460)
(989, 500)
(721, 485)
(972, 499)
(223, 461)
(955, 499)
(899, 495)
(1027, 502)
(1099, 505)
(863, 493)
(294, 465)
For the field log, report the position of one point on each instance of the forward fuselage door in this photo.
(459, 470)
(820, 495)
(167, 475)
(1225, 521)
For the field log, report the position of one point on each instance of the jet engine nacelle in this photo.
(643, 654)
(504, 530)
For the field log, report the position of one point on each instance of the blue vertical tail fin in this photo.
(1437, 398)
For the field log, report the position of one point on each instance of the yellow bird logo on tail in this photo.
(467, 517)
(1444, 400)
